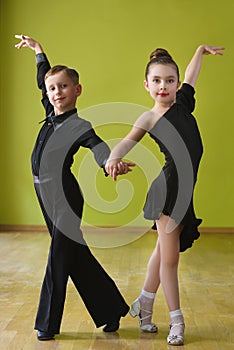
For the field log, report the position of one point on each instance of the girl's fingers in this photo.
(131, 164)
(215, 50)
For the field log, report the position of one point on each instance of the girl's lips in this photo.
(163, 95)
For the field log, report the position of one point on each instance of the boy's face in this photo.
(62, 92)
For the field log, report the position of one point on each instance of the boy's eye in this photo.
(156, 80)
(63, 86)
(171, 81)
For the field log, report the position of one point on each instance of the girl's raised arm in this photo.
(193, 69)
(121, 149)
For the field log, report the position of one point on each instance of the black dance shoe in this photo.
(111, 327)
(41, 335)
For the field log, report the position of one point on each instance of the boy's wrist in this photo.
(38, 49)
(40, 57)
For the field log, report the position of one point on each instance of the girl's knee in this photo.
(170, 257)
(170, 262)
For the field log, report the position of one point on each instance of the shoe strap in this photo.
(172, 337)
(172, 325)
(145, 317)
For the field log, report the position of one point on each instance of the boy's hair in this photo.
(72, 73)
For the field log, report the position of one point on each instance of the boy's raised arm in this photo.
(43, 66)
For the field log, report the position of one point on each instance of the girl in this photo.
(170, 198)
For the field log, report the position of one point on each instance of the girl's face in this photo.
(62, 92)
(162, 83)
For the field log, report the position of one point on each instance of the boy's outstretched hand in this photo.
(26, 41)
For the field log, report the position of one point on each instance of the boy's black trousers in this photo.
(70, 258)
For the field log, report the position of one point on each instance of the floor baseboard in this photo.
(43, 228)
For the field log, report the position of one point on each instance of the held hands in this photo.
(26, 41)
(117, 167)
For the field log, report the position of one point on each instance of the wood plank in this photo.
(206, 286)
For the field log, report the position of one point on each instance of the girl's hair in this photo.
(71, 73)
(161, 56)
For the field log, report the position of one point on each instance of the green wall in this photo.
(109, 43)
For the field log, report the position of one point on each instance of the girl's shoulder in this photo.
(186, 89)
(185, 97)
(147, 120)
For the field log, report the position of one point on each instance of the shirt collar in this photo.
(56, 119)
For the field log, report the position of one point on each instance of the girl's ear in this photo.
(178, 85)
(146, 85)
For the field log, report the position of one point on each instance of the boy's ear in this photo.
(178, 85)
(146, 85)
(78, 90)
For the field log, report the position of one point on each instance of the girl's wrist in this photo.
(113, 161)
(201, 49)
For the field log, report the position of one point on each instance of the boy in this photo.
(61, 202)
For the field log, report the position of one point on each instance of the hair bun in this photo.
(159, 53)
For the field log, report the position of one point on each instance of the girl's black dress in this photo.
(171, 193)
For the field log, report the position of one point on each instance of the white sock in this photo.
(148, 294)
(175, 313)
(146, 301)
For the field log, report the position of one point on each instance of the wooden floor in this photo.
(206, 286)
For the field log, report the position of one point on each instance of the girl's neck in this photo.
(161, 108)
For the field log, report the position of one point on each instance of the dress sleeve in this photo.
(185, 97)
(43, 66)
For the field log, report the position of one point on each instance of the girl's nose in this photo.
(163, 85)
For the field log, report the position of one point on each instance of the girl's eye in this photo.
(63, 86)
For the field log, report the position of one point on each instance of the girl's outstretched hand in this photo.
(26, 41)
(213, 50)
(124, 167)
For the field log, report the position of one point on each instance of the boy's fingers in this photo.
(22, 37)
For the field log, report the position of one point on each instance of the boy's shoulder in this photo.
(78, 124)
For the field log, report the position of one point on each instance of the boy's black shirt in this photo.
(88, 139)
